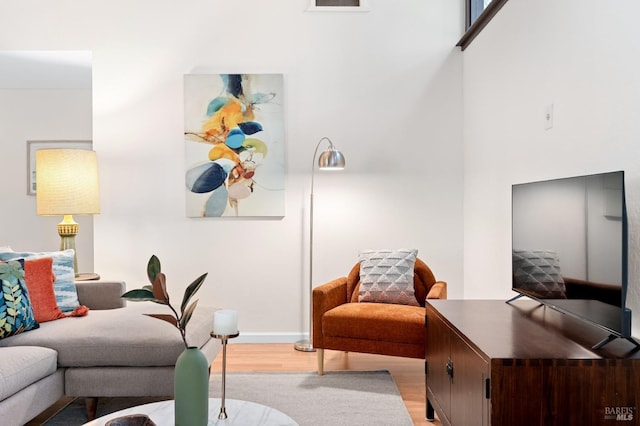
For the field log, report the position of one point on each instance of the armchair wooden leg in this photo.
(320, 353)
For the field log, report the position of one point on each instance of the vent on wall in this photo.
(339, 5)
(324, 3)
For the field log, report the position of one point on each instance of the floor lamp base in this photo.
(304, 346)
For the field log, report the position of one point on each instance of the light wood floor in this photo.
(408, 373)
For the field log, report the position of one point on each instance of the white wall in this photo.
(38, 114)
(385, 86)
(578, 55)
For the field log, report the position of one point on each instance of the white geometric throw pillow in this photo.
(537, 272)
(386, 276)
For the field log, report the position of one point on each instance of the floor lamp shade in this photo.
(67, 184)
(330, 159)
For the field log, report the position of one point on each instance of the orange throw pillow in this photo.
(39, 277)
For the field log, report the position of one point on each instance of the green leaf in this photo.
(186, 316)
(191, 290)
(138, 295)
(153, 268)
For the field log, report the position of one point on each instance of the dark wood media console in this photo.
(492, 363)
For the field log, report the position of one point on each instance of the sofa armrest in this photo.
(101, 295)
(438, 290)
(326, 297)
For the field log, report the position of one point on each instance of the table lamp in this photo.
(330, 159)
(67, 184)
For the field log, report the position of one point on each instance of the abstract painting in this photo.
(234, 145)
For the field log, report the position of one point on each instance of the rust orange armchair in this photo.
(342, 323)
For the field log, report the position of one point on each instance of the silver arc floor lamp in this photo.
(330, 159)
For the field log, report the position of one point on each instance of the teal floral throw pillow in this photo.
(16, 313)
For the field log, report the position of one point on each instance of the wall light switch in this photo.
(548, 117)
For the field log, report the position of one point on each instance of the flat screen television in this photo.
(569, 248)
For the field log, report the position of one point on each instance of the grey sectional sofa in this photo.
(115, 350)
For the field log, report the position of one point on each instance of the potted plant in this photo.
(191, 381)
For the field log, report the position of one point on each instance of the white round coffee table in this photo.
(240, 413)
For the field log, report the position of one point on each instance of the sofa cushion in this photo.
(16, 313)
(64, 286)
(118, 337)
(375, 321)
(386, 276)
(22, 366)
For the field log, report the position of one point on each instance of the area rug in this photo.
(337, 398)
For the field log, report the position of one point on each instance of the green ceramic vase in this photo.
(191, 388)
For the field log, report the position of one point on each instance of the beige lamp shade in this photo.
(67, 182)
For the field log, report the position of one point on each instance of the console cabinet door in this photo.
(470, 405)
(456, 376)
(438, 355)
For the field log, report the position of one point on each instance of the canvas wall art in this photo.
(234, 145)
